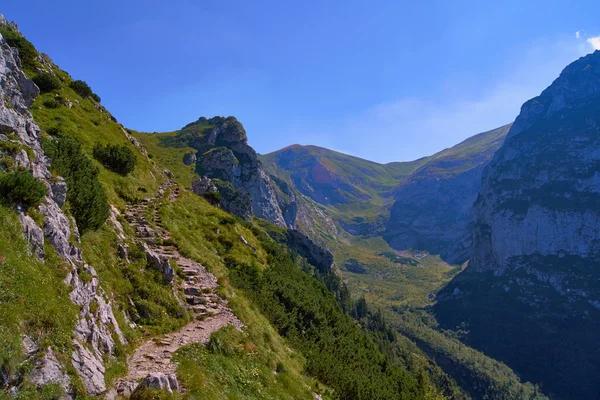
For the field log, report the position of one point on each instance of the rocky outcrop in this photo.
(189, 158)
(529, 295)
(158, 380)
(159, 262)
(96, 328)
(540, 193)
(433, 207)
(48, 370)
(316, 255)
(34, 235)
(224, 155)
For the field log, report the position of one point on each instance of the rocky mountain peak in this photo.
(224, 156)
(577, 83)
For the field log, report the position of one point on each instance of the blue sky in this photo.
(382, 80)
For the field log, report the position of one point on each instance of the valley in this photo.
(185, 265)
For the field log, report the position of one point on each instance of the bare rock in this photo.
(159, 262)
(158, 380)
(90, 368)
(169, 174)
(49, 370)
(123, 252)
(203, 185)
(28, 346)
(114, 213)
(34, 235)
(59, 191)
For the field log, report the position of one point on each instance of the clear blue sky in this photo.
(383, 80)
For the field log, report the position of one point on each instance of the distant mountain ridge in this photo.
(338, 194)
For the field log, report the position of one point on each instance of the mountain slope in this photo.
(530, 294)
(132, 275)
(433, 205)
(422, 204)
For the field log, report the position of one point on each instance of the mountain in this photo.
(530, 294)
(423, 204)
(433, 206)
(326, 193)
(117, 281)
(231, 165)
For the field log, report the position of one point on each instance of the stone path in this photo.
(210, 311)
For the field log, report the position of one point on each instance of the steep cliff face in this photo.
(530, 295)
(540, 193)
(433, 207)
(225, 155)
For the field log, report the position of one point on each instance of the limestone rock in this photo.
(96, 326)
(539, 193)
(59, 190)
(224, 154)
(203, 185)
(34, 235)
(49, 370)
(90, 368)
(158, 380)
(159, 262)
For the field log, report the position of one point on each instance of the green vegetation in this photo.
(20, 187)
(395, 258)
(33, 301)
(81, 88)
(27, 52)
(168, 157)
(46, 81)
(140, 291)
(89, 126)
(249, 365)
(86, 196)
(51, 103)
(337, 351)
(117, 158)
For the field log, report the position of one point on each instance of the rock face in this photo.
(34, 235)
(540, 193)
(224, 155)
(159, 263)
(433, 207)
(96, 326)
(530, 294)
(49, 370)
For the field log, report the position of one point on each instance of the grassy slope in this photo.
(193, 223)
(90, 124)
(168, 157)
(34, 301)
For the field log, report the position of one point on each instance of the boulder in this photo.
(189, 158)
(161, 381)
(159, 262)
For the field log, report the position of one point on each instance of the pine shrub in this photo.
(119, 159)
(21, 187)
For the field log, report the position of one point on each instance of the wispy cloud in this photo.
(577, 34)
(595, 42)
(412, 127)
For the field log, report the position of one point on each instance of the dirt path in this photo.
(210, 311)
